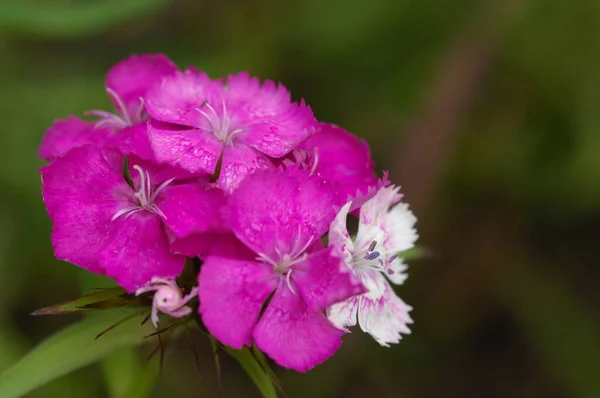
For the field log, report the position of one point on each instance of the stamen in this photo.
(120, 105)
(315, 161)
(372, 245)
(372, 256)
(140, 112)
(145, 196)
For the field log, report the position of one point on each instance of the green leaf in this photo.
(72, 20)
(102, 299)
(253, 368)
(69, 350)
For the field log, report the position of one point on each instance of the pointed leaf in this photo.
(253, 368)
(115, 297)
(68, 350)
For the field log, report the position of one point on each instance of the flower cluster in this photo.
(233, 173)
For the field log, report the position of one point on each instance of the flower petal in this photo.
(395, 271)
(399, 227)
(280, 211)
(293, 335)
(342, 157)
(70, 133)
(273, 124)
(232, 292)
(77, 189)
(324, 279)
(344, 314)
(178, 96)
(239, 161)
(192, 208)
(339, 237)
(132, 77)
(192, 150)
(138, 251)
(384, 318)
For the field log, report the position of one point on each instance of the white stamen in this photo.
(120, 105)
(315, 161)
(219, 125)
(145, 196)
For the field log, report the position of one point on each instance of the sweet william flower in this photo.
(386, 227)
(108, 227)
(280, 217)
(341, 158)
(126, 84)
(229, 127)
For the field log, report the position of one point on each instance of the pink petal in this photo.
(239, 161)
(342, 157)
(178, 96)
(280, 210)
(132, 77)
(324, 280)
(80, 230)
(83, 175)
(272, 123)
(293, 335)
(232, 292)
(77, 189)
(70, 133)
(192, 208)
(192, 150)
(134, 140)
(138, 251)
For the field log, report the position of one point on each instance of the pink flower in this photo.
(386, 227)
(108, 227)
(280, 216)
(126, 85)
(168, 298)
(235, 123)
(340, 157)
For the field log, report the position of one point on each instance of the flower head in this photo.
(108, 227)
(280, 217)
(386, 227)
(126, 84)
(236, 123)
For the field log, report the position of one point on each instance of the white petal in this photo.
(395, 271)
(385, 318)
(343, 315)
(339, 238)
(398, 225)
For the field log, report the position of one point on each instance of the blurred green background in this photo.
(487, 112)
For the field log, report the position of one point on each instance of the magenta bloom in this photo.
(105, 226)
(280, 216)
(340, 157)
(126, 85)
(237, 120)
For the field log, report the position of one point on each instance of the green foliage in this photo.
(68, 350)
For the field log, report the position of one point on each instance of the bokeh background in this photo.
(487, 112)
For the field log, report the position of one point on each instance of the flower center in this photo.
(125, 118)
(145, 197)
(372, 259)
(220, 126)
(284, 264)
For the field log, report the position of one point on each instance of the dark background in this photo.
(486, 112)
